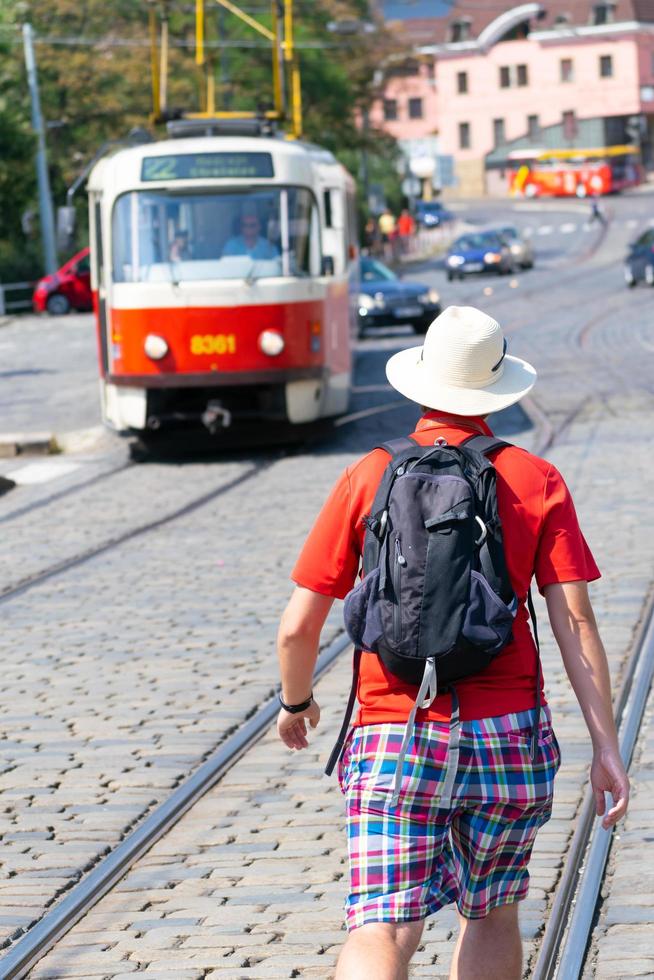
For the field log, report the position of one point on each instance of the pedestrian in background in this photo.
(371, 237)
(388, 229)
(406, 229)
(408, 860)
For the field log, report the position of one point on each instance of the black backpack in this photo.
(435, 601)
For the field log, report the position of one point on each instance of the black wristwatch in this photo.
(295, 709)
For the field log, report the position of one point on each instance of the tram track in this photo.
(22, 586)
(84, 894)
(570, 925)
(108, 870)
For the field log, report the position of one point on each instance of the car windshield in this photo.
(430, 206)
(373, 271)
(509, 232)
(221, 234)
(469, 242)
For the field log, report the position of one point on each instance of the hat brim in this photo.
(406, 373)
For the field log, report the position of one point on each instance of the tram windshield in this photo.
(161, 236)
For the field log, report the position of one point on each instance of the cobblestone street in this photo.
(124, 671)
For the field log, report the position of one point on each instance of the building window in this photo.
(460, 30)
(514, 75)
(606, 66)
(602, 13)
(464, 136)
(533, 128)
(567, 70)
(415, 108)
(569, 125)
(390, 109)
(498, 132)
(462, 82)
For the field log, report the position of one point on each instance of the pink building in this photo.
(503, 79)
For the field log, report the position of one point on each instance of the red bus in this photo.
(575, 173)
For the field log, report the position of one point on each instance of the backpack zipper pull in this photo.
(399, 557)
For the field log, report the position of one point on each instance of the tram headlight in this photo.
(155, 346)
(271, 343)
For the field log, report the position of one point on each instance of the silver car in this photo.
(521, 247)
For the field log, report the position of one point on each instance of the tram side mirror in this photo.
(65, 228)
(327, 266)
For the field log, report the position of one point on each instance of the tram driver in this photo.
(250, 241)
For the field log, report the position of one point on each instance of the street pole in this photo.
(45, 197)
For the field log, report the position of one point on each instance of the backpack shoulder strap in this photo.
(396, 446)
(484, 444)
(400, 451)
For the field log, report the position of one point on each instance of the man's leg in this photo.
(379, 951)
(489, 948)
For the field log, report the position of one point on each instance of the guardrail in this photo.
(8, 306)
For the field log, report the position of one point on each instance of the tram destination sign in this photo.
(198, 166)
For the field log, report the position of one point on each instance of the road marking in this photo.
(568, 227)
(545, 230)
(527, 230)
(42, 471)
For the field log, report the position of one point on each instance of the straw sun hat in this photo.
(462, 366)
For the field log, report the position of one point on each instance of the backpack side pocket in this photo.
(361, 612)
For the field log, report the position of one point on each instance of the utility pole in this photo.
(45, 197)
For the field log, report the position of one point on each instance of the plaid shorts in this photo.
(408, 861)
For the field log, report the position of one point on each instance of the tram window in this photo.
(225, 234)
(327, 198)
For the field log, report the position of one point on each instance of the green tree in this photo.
(93, 62)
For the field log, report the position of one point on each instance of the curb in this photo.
(6, 485)
(20, 443)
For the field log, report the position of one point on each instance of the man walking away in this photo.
(444, 797)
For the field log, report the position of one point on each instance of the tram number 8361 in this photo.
(219, 343)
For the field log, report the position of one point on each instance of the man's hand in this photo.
(607, 774)
(292, 729)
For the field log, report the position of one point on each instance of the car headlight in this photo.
(492, 257)
(455, 260)
(516, 249)
(430, 298)
(366, 303)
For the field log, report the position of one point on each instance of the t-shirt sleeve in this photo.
(329, 560)
(562, 554)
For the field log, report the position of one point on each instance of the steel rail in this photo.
(65, 492)
(570, 923)
(82, 557)
(40, 938)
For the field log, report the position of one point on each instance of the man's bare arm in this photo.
(574, 627)
(298, 642)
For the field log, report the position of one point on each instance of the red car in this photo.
(67, 289)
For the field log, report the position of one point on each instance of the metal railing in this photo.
(9, 306)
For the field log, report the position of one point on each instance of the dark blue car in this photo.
(431, 214)
(385, 299)
(479, 252)
(639, 263)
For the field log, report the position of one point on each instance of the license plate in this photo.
(403, 311)
(473, 266)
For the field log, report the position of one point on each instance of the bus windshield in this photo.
(161, 236)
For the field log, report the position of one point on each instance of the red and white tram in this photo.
(224, 280)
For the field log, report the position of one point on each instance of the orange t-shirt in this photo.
(541, 537)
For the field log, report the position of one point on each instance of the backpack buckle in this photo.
(440, 441)
(484, 531)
